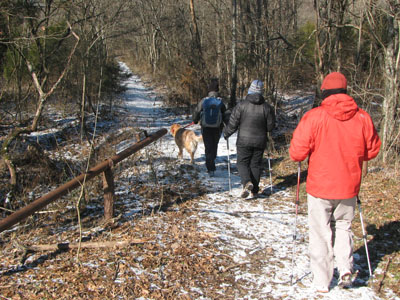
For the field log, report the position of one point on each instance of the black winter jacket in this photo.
(253, 117)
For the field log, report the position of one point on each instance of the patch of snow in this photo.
(250, 231)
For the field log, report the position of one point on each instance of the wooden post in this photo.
(108, 188)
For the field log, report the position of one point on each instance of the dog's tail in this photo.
(196, 139)
(199, 138)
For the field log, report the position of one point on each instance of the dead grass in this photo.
(379, 196)
(177, 257)
(380, 206)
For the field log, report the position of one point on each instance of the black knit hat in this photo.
(214, 85)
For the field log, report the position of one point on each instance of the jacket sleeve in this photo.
(270, 118)
(234, 121)
(301, 143)
(197, 112)
(373, 142)
(225, 114)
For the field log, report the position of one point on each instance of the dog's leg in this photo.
(193, 151)
(192, 158)
(180, 154)
(190, 152)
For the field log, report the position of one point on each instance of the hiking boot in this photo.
(345, 281)
(246, 189)
(254, 195)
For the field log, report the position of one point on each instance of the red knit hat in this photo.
(334, 80)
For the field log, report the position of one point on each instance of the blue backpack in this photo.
(211, 115)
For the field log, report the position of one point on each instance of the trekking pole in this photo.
(229, 166)
(364, 237)
(188, 125)
(270, 172)
(295, 220)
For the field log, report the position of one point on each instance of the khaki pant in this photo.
(330, 237)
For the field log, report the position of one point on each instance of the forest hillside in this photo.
(64, 109)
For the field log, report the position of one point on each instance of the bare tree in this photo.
(330, 20)
(39, 82)
(47, 44)
(232, 101)
(388, 12)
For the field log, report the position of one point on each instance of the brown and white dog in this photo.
(185, 138)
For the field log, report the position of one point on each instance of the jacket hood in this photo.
(255, 98)
(213, 94)
(340, 106)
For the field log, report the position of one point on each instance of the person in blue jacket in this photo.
(211, 132)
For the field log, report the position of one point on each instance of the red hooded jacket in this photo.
(336, 137)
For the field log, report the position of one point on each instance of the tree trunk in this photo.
(196, 39)
(392, 92)
(319, 57)
(232, 101)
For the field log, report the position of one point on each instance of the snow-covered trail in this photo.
(257, 233)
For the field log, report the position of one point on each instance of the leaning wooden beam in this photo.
(76, 182)
(66, 246)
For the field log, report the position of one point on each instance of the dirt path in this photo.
(201, 240)
(258, 233)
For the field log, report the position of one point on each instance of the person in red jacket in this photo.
(336, 137)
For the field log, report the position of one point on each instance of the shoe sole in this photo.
(244, 194)
(345, 285)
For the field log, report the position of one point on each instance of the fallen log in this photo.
(67, 246)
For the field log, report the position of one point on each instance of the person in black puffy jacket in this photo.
(253, 118)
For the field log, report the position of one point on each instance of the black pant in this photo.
(210, 138)
(249, 164)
